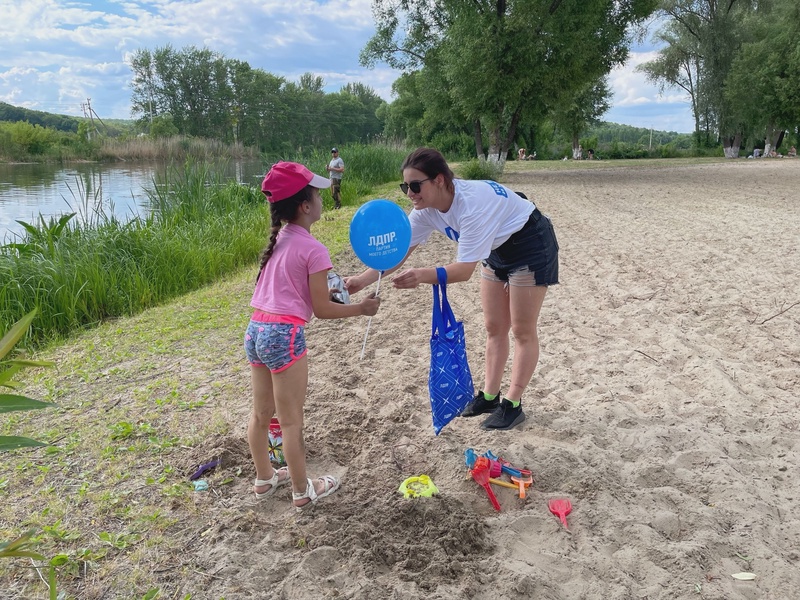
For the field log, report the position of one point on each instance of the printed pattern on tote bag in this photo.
(449, 380)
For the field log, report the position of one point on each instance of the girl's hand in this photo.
(408, 279)
(369, 305)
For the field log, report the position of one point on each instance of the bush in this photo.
(481, 169)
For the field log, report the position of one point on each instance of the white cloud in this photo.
(639, 103)
(56, 53)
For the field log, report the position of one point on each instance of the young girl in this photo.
(292, 285)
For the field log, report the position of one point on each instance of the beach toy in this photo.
(560, 507)
(418, 487)
(495, 468)
(522, 482)
(480, 473)
(470, 457)
(507, 467)
(275, 442)
(502, 483)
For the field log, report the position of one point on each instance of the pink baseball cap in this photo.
(285, 179)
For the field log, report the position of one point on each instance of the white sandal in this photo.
(331, 485)
(275, 481)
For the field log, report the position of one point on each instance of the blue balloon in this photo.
(380, 234)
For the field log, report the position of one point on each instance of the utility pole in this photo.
(651, 138)
(92, 115)
(86, 116)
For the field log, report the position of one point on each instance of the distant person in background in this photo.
(335, 169)
(521, 154)
(590, 154)
(792, 152)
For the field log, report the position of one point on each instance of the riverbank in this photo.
(663, 407)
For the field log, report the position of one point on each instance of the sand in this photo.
(664, 407)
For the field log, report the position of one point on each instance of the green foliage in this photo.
(20, 547)
(163, 126)
(9, 367)
(200, 229)
(208, 95)
(495, 66)
(34, 117)
(480, 168)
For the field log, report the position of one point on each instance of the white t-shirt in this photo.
(483, 215)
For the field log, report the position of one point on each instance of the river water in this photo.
(30, 190)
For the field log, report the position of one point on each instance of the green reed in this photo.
(199, 229)
(365, 168)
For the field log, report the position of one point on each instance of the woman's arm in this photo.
(411, 278)
(325, 308)
(359, 282)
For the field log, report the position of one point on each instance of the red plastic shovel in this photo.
(560, 507)
(480, 473)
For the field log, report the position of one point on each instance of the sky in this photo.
(61, 57)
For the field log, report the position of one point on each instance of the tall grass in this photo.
(365, 167)
(200, 228)
(79, 271)
(175, 148)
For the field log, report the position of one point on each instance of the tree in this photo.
(764, 81)
(501, 62)
(678, 64)
(709, 32)
(583, 109)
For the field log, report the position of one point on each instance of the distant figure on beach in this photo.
(516, 246)
(292, 285)
(792, 152)
(521, 154)
(590, 154)
(335, 169)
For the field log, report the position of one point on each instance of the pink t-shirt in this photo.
(283, 288)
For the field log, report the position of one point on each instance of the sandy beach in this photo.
(664, 407)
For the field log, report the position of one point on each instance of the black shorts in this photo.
(534, 249)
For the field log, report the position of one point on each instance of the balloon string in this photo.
(364, 345)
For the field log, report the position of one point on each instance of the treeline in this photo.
(14, 114)
(739, 63)
(198, 92)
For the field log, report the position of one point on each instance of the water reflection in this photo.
(28, 190)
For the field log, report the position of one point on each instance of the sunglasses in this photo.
(415, 186)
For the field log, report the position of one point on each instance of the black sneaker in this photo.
(505, 416)
(479, 405)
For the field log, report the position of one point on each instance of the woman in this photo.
(517, 248)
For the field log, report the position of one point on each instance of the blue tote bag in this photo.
(450, 380)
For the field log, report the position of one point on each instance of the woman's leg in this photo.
(497, 320)
(258, 426)
(526, 304)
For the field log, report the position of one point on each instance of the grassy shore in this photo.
(199, 229)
